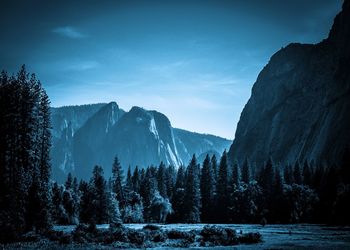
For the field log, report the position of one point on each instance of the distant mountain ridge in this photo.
(84, 136)
(299, 108)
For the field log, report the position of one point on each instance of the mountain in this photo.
(65, 122)
(189, 143)
(299, 107)
(139, 138)
(89, 140)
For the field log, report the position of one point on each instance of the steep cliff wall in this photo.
(300, 104)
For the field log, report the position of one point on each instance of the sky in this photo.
(195, 61)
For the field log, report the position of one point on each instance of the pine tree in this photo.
(236, 175)
(288, 174)
(100, 196)
(207, 190)
(179, 196)
(87, 206)
(307, 173)
(129, 185)
(170, 179)
(136, 179)
(69, 181)
(117, 182)
(298, 179)
(223, 189)
(246, 173)
(192, 192)
(161, 180)
(266, 178)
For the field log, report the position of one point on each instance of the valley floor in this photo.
(291, 236)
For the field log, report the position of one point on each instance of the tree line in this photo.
(24, 155)
(211, 192)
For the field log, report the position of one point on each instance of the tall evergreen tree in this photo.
(288, 174)
(100, 196)
(223, 189)
(129, 185)
(307, 173)
(207, 190)
(236, 175)
(298, 179)
(136, 179)
(192, 192)
(87, 208)
(246, 172)
(117, 181)
(161, 180)
(178, 200)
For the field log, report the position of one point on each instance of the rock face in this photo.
(138, 137)
(299, 108)
(89, 142)
(65, 122)
(189, 143)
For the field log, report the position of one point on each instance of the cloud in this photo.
(80, 65)
(68, 31)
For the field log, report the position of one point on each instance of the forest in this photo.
(212, 191)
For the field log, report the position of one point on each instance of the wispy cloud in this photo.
(80, 65)
(69, 31)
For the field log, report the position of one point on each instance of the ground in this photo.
(292, 236)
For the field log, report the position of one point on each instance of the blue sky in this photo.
(194, 61)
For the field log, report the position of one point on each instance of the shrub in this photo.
(219, 236)
(157, 236)
(176, 235)
(136, 237)
(65, 238)
(250, 238)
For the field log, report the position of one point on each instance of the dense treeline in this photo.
(211, 192)
(24, 155)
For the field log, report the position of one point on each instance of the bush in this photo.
(219, 236)
(176, 235)
(157, 236)
(30, 237)
(136, 237)
(250, 238)
(65, 238)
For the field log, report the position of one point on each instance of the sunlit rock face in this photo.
(65, 122)
(89, 142)
(139, 138)
(300, 104)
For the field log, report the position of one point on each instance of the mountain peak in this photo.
(340, 32)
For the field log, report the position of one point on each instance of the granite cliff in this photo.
(299, 107)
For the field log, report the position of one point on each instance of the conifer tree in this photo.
(117, 182)
(136, 179)
(207, 190)
(129, 185)
(246, 173)
(297, 173)
(223, 189)
(236, 175)
(307, 173)
(192, 192)
(100, 196)
(161, 180)
(178, 200)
